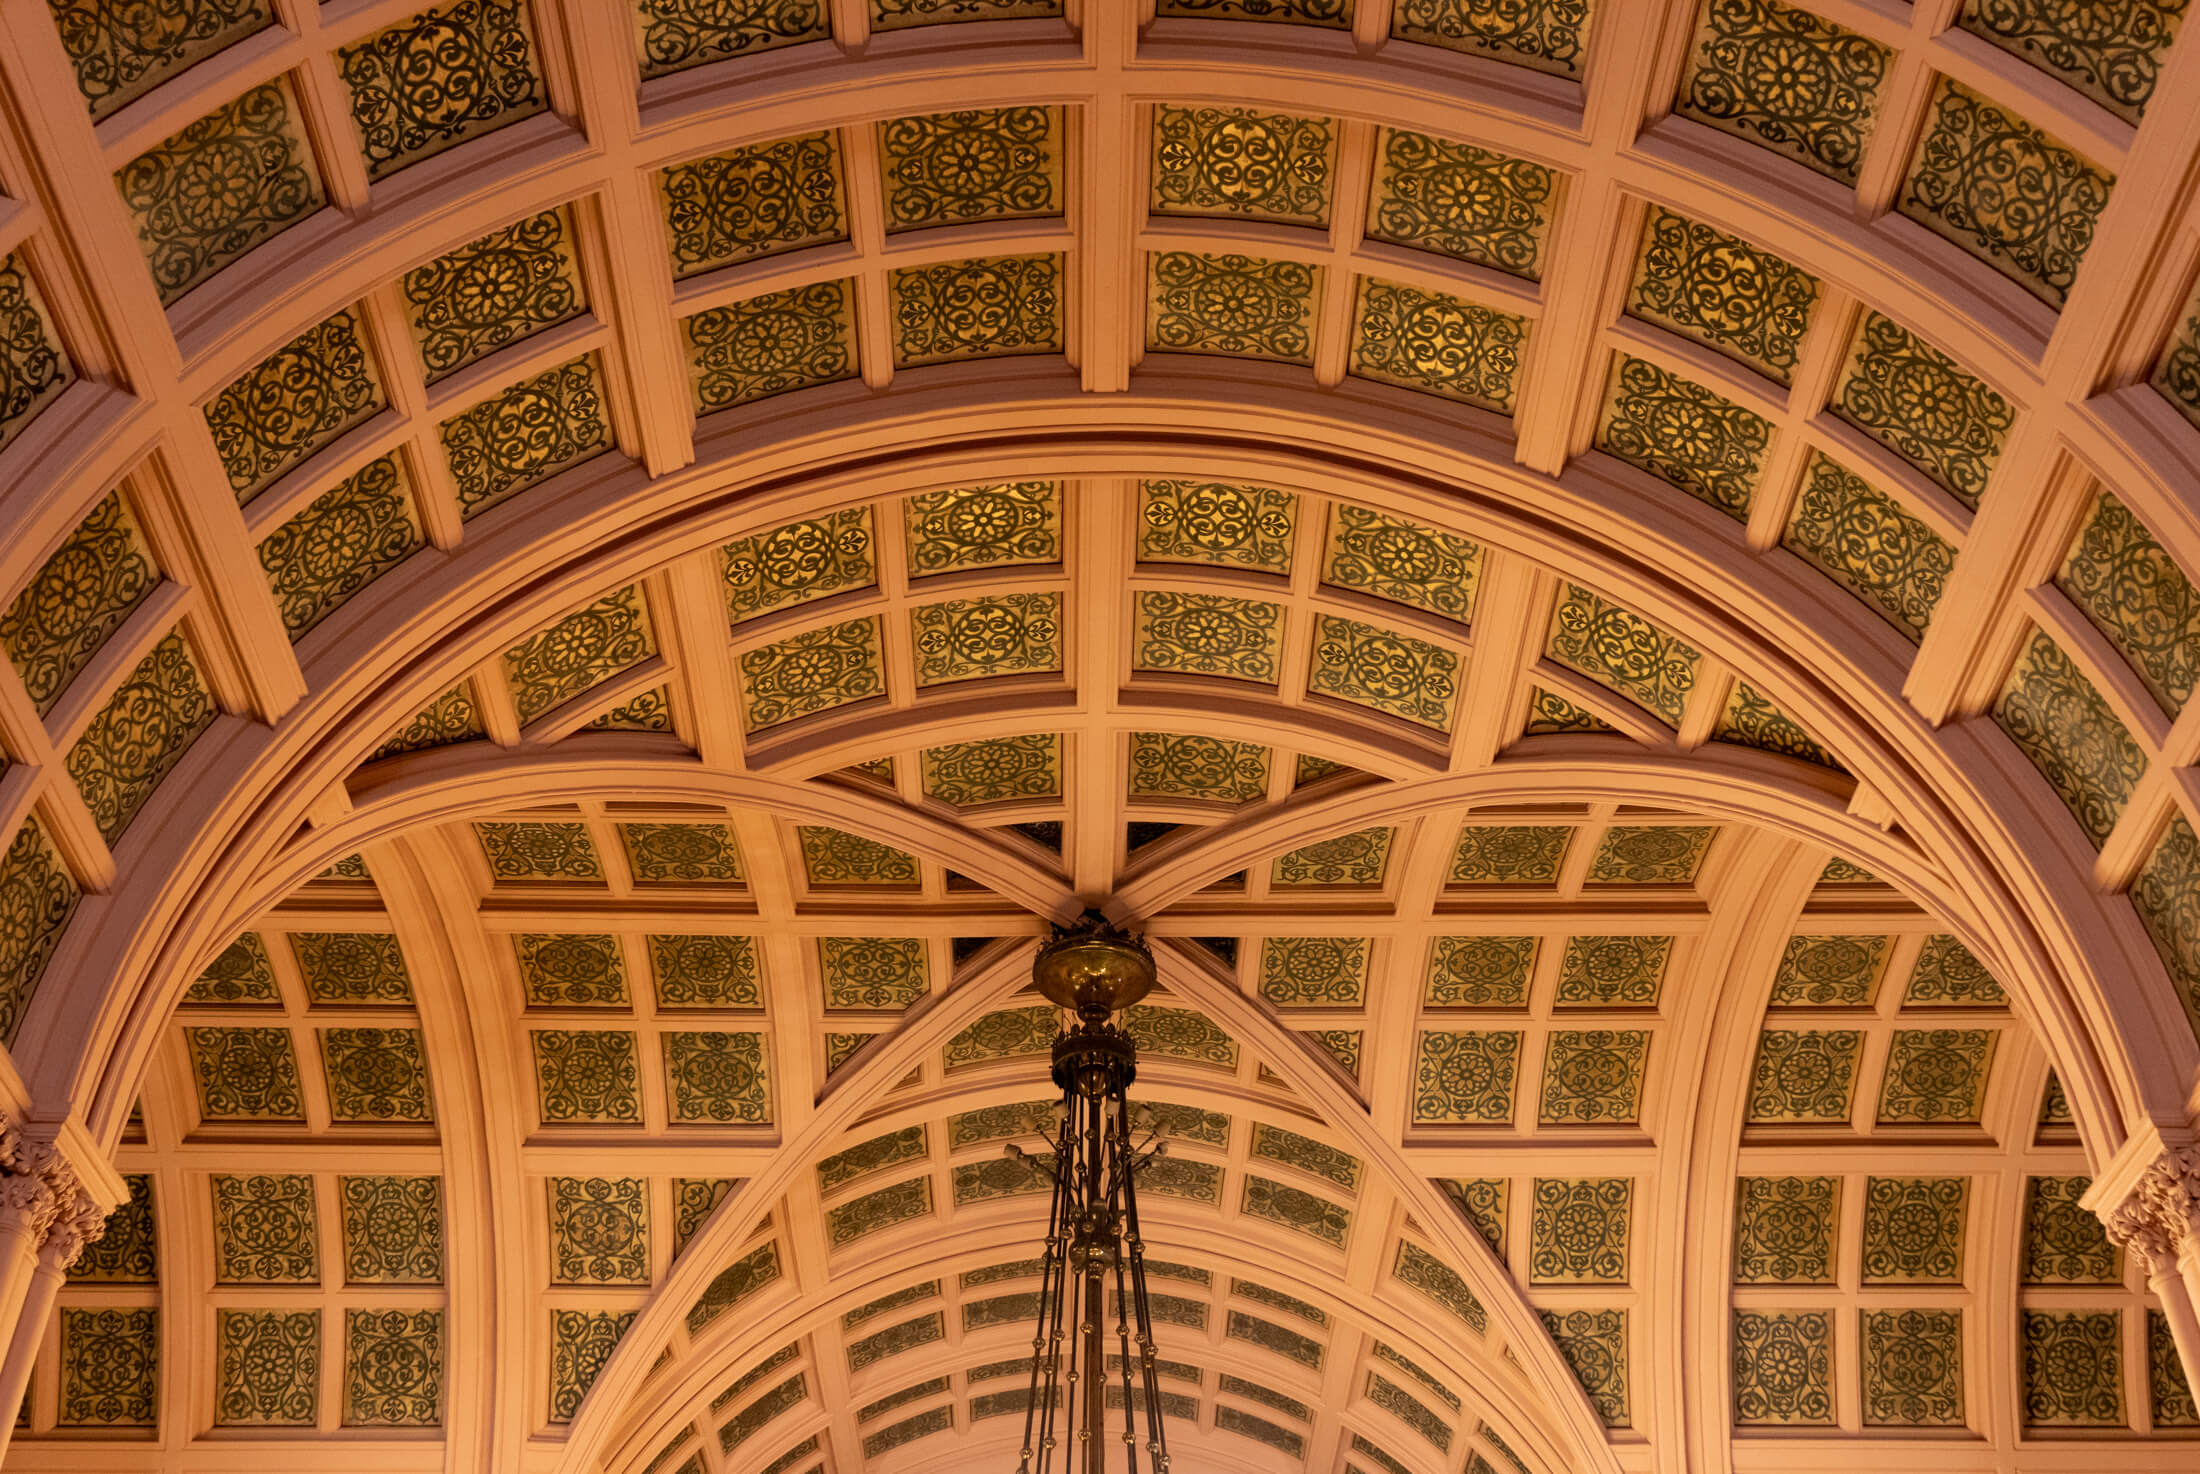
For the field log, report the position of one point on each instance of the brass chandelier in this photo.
(1092, 1295)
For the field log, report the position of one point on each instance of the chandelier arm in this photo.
(1046, 1341)
(1149, 1376)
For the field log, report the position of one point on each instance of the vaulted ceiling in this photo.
(1610, 584)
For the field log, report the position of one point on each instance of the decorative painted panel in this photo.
(1423, 1271)
(872, 972)
(581, 1343)
(110, 1368)
(1786, 1229)
(1166, 765)
(1295, 1208)
(1914, 1229)
(267, 1368)
(834, 857)
(1008, 1033)
(120, 54)
(1751, 719)
(799, 562)
(1237, 161)
(1958, 187)
(1269, 1336)
(681, 854)
(1783, 1367)
(527, 434)
(2166, 895)
(932, 1420)
(1315, 1158)
(1384, 671)
(1349, 859)
(127, 1252)
(743, 1278)
(1594, 1076)
(1595, 637)
(1594, 1344)
(1946, 975)
(1783, 78)
(298, 400)
(2071, 734)
(694, 1199)
(1461, 201)
(1578, 1230)
(1437, 343)
(1830, 972)
(1401, 561)
(139, 736)
(2064, 1242)
(376, 1075)
(753, 349)
(2073, 1368)
(1722, 292)
(447, 74)
(1509, 854)
(586, 1075)
(266, 1230)
(1005, 634)
(985, 308)
(37, 897)
(1863, 540)
(343, 540)
(892, 1149)
(1206, 634)
(1804, 1075)
(2113, 57)
(753, 202)
(34, 367)
(1681, 432)
(997, 770)
(203, 197)
(245, 1074)
(849, 1221)
(2168, 1393)
(1913, 1368)
(2137, 596)
(451, 718)
(717, 1077)
(492, 292)
(993, 525)
(895, 15)
(599, 1230)
(813, 671)
(1479, 972)
(706, 971)
(678, 34)
(243, 973)
(1923, 406)
(1216, 522)
(1650, 854)
(1246, 306)
(1936, 1075)
(580, 651)
(546, 852)
(393, 1230)
(1612, 972)
(1465, 1078)
(1314, 972)
(1545, 35)
(393, 1368)
(1179, 1033)
(956, 168)
(78, 599)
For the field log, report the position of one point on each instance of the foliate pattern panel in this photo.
(849, 1221)
(2064, 1242)
(1461, 201)
(267, 1368)
(1785, 1230)
(754, 202)
(1550, 712)
(873, 972)
(2113, 55)
(2073, 1368)
(1423, 1271)
(814, 671)
(896, 15)
(307, 393)
(110, 1368)
(78, 599)
(393, 1230)
(140, 735)
(581, 1343)
(799, 562)
(1681, 432)
(1751, 719)
(1923, 406)
(1314, 972)
(1236, 161)
(987, 308)
(2167, 898)
(998, 770)
(446, 75)
(2072, 735)
(1545, 35)
(678, 34)
(493, 292)
(1295, 1208)
(1166, 765)
(1783, 1367)
(2136, 595)
(393, 1368)
(599, 1230)
(581, 650)
(705, 971)
(266, 1230)
(451, 718)
(1937, 1076)
(205, 196)
(1863, 540)
(1805, 1075)
(1437, 343)
(681, 854)
(717, 1078)
(33, 365)
(743, 1278)
(343, 541)
(1946, 975)
(1594, 1344)
(121, 54)
(352, 967)
(1722, 292)
(1650, 854)
(1465, 1078)
(1216, 522)
(1914, 1229)
(1830, 972)
(1594, 1077)
(551, 852)
(1578, 1230)
(527, 434)
(1246, 306)
(997, 524)
(1596, 638)
(1509, 854)
(967, 639)
(37, 897)
(1206, 634)
(1401, 561)
(245, 1074)
(2004, 191)
(835, 857)
(959, 167)
(1783, 78)
(1479, 972)
(1913, 1368)
(128, 1252)
(1384, 671)
(2167, 1390)
(376, 1075)
(795, 339)
(1612, 972)
(586, 1075)
(1359, 858)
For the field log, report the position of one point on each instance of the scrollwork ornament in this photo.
(1784, 78)
(340, 543)
(494, 291)
(1592, 635)
(1868, 543)
(445, 75)
(954, 168)
(2059, 720)
(1231, 304)
(2111, 52)
(996, 306)
(1462, 201)
(2132, 589)
(527, 434)
(122, 52)
(678, 34)
(1438, 344)
(1546, 35)
(1238, 161)
(1681, 432)
(1724, 293)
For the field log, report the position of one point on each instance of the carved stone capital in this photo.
(78, 1223)
(40, 1191)
(2161, 1212)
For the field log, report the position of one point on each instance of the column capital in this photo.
(2158, 1210)
(41, 1191)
